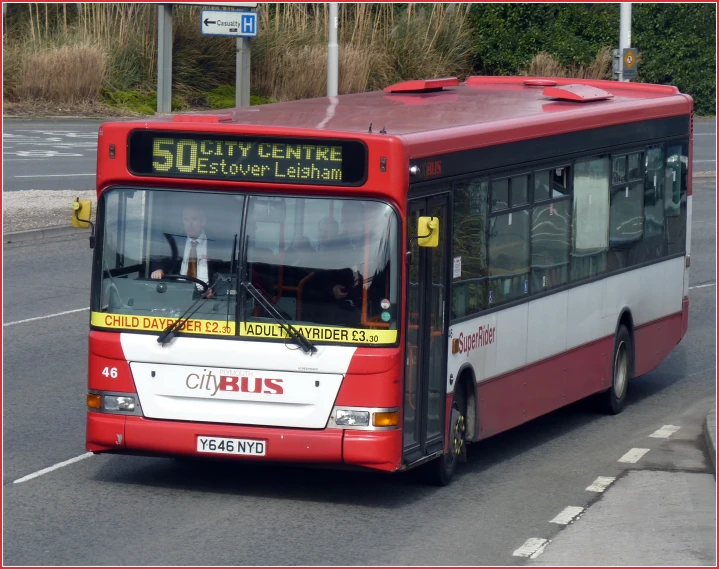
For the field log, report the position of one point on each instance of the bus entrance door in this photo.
(426, 332)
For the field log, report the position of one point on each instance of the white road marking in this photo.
(601, 484)
(567, 515)
(697, 161)
(705, 134)
(532, 548)
(53, 467)
(702, 286)
(634, 455)
(50, 175)
(42, 317)
(665, 432)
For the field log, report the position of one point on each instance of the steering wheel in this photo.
(200, 282)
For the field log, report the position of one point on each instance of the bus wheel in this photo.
(441, 470)
(615, 397)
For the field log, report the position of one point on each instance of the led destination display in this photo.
(245, 158)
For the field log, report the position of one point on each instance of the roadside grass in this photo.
(546, 65)
(106, 53)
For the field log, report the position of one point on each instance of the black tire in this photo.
(613, 400)
(440, 471)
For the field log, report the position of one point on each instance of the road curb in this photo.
(44, 233)
(710, 436)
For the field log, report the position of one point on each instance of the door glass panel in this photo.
(437, 347)
(413, 363)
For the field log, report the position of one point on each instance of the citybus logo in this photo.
(465, 344)
(234, 383)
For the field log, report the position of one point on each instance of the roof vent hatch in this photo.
(422, 85)
(577, 93)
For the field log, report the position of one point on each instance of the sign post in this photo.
(243, 26)
(164, 58)
(164, 51)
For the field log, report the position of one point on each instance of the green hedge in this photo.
(676, 42)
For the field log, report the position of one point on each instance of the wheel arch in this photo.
(627, 320)
(468, 381)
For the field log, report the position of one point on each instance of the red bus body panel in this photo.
(483, 112)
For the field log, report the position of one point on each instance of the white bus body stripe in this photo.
(549, 326)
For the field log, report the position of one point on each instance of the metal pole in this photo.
(242, 73)
(332, 53)
(164, 58)
(625, 32)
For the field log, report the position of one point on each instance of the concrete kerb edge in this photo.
(710, 432)
(43, 233)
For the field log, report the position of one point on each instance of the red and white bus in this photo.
(376, 280)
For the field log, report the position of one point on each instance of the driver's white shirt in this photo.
(201, 257)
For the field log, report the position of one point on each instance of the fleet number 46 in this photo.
(110, 372)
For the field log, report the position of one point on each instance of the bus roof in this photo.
(431, 118)
(479, 100)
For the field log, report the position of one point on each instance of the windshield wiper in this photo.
(170, 332)
(292, 332)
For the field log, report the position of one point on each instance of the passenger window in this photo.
(626, 223)
(520, 190)
(560, 182)
(508, 257)
(619, 170)
(541, 185)
(677, 173)
(469, 249)
(654, 201)
(500, 194)
(673, 180)
(635, 166)
(550, 246)
(590, 219)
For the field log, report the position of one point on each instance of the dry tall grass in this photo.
(379, 44)
(65, 74)
(545, 65)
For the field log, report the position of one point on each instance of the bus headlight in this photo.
(349, 417)
(364, 418)
(118, 403)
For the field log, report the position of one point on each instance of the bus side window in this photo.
(590, 219)
(550, 245)
(469, 248)
(508, 257)
(675, 203)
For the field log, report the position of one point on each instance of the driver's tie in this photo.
(192, 261)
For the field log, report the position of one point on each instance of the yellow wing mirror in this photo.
(81, 209)
(428, 231)
(81, 217)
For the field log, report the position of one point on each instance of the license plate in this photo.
(218, 445)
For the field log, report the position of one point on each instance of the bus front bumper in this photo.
(379, 450)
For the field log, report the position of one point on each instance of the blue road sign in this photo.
(229, 23)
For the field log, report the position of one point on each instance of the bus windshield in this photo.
(329, 266)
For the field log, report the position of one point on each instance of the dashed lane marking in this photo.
(567, 515)
(665, 432)
(634, 455)
(532, 548)
(600, 484)
(53, 467)
(43, 317)
(702, 285)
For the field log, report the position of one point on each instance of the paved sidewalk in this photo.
(647, 518)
